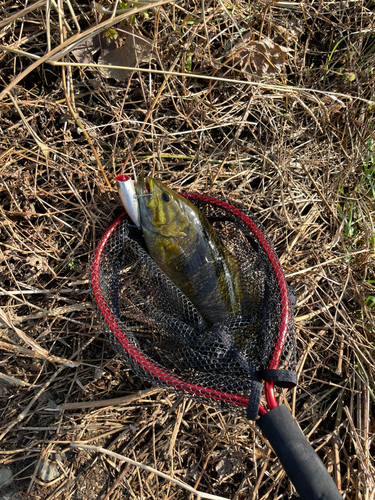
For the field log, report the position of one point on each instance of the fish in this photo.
(185, 246)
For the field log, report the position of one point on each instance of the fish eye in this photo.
(165, 197)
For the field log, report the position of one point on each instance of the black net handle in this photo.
(299, 460)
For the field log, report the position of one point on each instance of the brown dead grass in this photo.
(301, 157)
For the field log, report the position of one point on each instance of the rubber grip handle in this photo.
(303, 466)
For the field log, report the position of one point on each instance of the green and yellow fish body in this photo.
(186, 248)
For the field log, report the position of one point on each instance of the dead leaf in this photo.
(135, 50)
(84, 51)
(38, 264)
(223, 468)
(122, 47)
(264, 58)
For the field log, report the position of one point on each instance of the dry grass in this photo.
(297, 146)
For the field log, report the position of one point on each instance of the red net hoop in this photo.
(121, 301)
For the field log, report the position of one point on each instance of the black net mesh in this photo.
(162, 336)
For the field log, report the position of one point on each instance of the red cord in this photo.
(270, 394)
(262, 410)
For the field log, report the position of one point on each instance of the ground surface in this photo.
(285, 127)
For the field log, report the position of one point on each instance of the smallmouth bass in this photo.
(186, 248)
